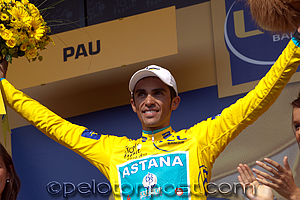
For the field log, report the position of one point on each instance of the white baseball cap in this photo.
(153, 70)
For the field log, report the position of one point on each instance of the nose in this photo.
(149, 100)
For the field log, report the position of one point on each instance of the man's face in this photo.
(152, 103)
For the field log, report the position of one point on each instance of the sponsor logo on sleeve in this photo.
(90, 134)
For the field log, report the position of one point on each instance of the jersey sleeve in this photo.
(215, 133)
(77, 138)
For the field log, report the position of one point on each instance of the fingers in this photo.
(275, 164)
(269, 168)
(260, 177)
(242, 177)
(247, 180)
(250, 173)
(264, 175)
(286, 163)
(244, 174)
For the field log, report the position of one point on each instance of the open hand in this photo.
(252, 188)
(282, 180)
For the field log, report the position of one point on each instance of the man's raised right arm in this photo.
(75, 137)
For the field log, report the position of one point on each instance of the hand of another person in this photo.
(252, 188)
(3, 68)
(282, 180)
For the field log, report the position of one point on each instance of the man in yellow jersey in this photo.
(162, 164)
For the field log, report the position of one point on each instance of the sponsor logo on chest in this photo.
(147, 164)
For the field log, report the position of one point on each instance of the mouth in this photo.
(150, 111)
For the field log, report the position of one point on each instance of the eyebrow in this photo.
(154, 90)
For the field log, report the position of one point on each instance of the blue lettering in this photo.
(178, 138)
(79, 52)
(65, 189)
(84, 188)
(66, 54)
(101, 185)
(91, 52)
(53, 187)
(69, 188)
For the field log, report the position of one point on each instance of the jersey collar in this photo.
(158, 134)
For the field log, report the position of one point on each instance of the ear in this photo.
(175, 103)
(133, 105)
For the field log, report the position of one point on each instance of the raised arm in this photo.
(215, 133)
(75, 137)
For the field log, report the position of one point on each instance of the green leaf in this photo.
(8, 58)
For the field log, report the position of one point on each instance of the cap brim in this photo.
(138, 76)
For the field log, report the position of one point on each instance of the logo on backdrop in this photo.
(252, 50)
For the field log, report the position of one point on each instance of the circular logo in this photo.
(178, 191)
(235, 51)
(150, 180)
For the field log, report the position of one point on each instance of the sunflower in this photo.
(36, 28)
(19, 17)
(2, 27)
(25, 2)
(7, 1)
(19, 4)
(33, 10)
(4, 17)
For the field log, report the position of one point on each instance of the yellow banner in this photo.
(100, 47)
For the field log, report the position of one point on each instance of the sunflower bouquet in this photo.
(23, 30)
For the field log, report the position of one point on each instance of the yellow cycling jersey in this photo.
(162, 164)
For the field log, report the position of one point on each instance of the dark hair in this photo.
(172, 92)
(12, 187)
(275, 15)
(296, 102)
